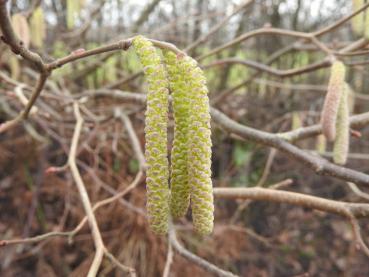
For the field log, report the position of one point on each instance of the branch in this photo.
(99, 244)
(348, 210)
(281, 142)
(316, 163)
(22, 116)
(16, 45)
(213, 30)
(344, 209)
(196, 259)
(169, 261)
(271, 70)
(133, 137)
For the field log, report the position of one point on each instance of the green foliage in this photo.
(110, 68)
(59, 49)
(241, 155)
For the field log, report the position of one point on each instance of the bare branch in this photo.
(196, 259)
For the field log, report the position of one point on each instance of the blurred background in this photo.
(252, 239)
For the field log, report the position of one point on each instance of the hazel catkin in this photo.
(342, 141)
(331, 103)
(199, 147)
(357, 22)
(179, 185)
(156, 120)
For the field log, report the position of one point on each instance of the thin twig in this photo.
(99, 244)
(169, 261)
(211, 268)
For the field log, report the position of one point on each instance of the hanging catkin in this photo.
(321, 144)
(155, 135)
(38, 27)
(21, 28)
(366, 23)
(341, 144)
(357, 22)
(199, 147)
(330, 108)
(180, 187)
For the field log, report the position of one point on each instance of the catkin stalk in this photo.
(331, 103)
(156, 121)
(180, 187)
(341, 144)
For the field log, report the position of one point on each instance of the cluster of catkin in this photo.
(335, 113)
(190, 171)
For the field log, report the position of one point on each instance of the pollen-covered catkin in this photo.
(156, 119)
(341, 144)
(199, 147)
(336, 86)
(179, 185)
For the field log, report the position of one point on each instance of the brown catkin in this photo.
(341, 144)
(21, 28)
(336, 86)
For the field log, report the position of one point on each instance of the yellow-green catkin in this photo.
(357, 22)
(296, 121)
(366, 24)
(341, 144)
(156, 119)
(179, 185)
(321, 144)
(38, 27)
(336, 86)
(350, 97)
(199, 147)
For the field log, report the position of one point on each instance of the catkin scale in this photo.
(199, 147)
(180, 187)
(341, 144)
(331, 103)
(156, 118)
